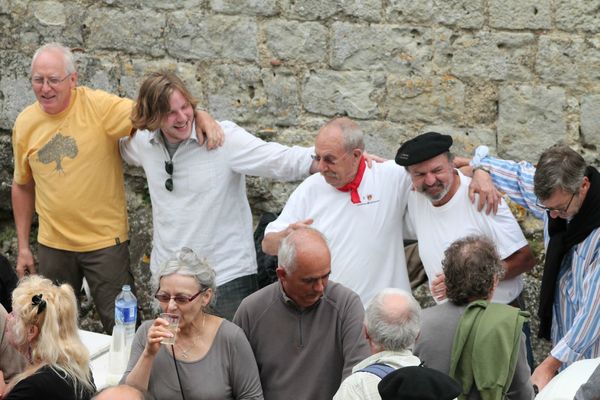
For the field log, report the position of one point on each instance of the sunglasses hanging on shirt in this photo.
(169, 170)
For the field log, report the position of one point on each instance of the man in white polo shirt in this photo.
(358, 209)
(199, 196)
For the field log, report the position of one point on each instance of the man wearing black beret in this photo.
(441, 212)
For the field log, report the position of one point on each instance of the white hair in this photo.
(65, 51)
(393, 328)
(286, 256)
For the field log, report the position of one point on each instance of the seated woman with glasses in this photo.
(211, 357)
(43, 327)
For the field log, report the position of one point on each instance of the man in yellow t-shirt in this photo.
(67, 164)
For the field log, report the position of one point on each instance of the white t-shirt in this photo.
(437, 227)
(365, 239)
(208, 210)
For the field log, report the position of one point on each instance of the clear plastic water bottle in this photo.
(126, 312)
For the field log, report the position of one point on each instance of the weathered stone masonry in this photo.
(517, 75)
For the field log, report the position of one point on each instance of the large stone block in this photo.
(495, 56)
(465, 140)
(569, 60)
(157, 4)
(367, 10)
(283, 102)
(133, 73)
(481, 103)
(590, 119)
(346, 93)
(521, 14)
(6, 32)
(97, 72)
(310, 9)
(425, 99)
(236, 93)
(4, 7)
(296, 41)
(249, 7)
(383, 138)
(114, 29)
(49, 12)
(15, 95)
(388, 47)
(410, 11)
(208, 38)
(531, 119)
(468, 14)
(577, 15)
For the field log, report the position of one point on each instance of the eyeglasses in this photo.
(169, 181)
(557, 210)
(53, 81)
(179, 298)
(328, 159)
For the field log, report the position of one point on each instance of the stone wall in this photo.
(517, 75)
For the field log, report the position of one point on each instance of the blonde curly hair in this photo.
(53, 310)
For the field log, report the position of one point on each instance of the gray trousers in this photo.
(231, 294)
(106, 271)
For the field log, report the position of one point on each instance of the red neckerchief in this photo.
(352, 187)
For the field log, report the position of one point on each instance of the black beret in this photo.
(418, 383)
(423, 147)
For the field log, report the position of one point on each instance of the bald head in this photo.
(339, 148)
(345, 131)
(392, 320)
(304, 266)
(120, 392)
(302, 243)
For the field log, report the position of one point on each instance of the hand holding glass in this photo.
(173, 320)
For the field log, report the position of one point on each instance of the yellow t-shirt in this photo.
(74, 159)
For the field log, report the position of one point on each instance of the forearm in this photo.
(23, 204)
(545, 371)
(519, 262)
(271, 242)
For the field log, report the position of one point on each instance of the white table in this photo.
(98, 345)
(564, 385)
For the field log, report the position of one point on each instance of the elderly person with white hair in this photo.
(392, 324)
(211, 357)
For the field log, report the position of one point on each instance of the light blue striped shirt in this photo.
(576, 313)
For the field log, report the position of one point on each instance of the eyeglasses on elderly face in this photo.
(53, 81)
(169, 170)
(179, 298)
(557, 210)
(328, 159)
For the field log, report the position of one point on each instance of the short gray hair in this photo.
(393, 328)
(352, 135)
(286, 256)
(559, 167)
(186, 262)
(471, 266)
(65, 51)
